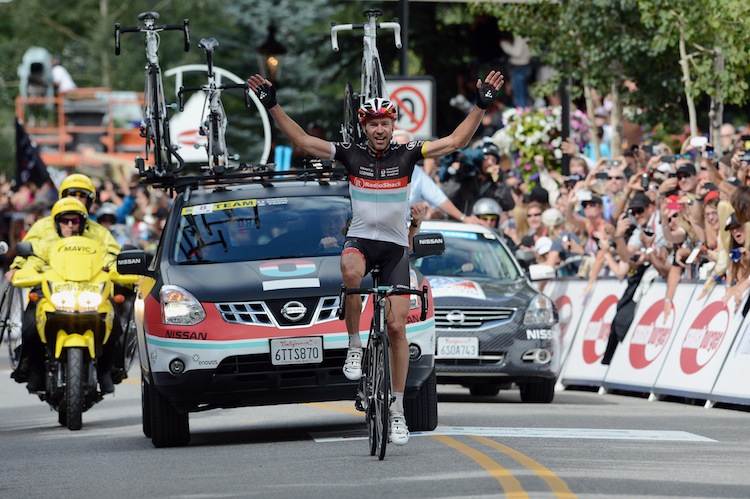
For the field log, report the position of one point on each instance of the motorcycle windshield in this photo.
(76, 258)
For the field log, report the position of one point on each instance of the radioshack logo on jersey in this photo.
(564, 311)
(597, 332)
(651, 335)
(287, 268)
(396, 183)
(704, 337)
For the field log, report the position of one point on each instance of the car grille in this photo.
(268, 313)
(473, 318)
(484, 359)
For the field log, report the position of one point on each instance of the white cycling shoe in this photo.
(399, 431)
(353, 364)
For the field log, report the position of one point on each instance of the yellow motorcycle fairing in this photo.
(85, 340)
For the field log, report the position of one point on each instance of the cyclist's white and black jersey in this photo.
(379, 188)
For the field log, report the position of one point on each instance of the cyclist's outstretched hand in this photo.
(488, 90)
(263, 89)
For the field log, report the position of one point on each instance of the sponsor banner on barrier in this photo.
(566, 294)
(732, 384)
(583, 365)
(700, 346)
(640, 356)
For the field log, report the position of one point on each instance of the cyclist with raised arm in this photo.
(379, 175)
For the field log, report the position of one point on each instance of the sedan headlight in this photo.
(540, 311)
(179, 307)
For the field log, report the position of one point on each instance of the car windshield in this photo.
(258, 229)
(469, 254)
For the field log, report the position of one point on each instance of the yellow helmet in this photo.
(73, 206)
(78, 183)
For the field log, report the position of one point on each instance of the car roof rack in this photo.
(263, 174)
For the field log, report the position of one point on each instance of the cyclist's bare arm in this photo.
(465, 130)
(313, 146)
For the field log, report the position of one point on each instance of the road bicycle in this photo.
(155, 122)
(373, 78)
(375, 393)
(214, 125)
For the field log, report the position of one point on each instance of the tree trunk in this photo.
(716, 114)
(591, 112)
(687, 82)
(615, 145)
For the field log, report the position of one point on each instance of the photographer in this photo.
(469, 174)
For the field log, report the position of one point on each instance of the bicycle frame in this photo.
(372, 80)
(214, 124)
(155, 123)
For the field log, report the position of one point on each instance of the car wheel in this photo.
(421, 412)
(169, 428)
(540, 392)
(484, 390)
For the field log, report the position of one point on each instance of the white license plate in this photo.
(307, 350)
(457, 348)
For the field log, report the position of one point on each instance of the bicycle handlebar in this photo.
(335, 28)
(388, 291)
(185, 28)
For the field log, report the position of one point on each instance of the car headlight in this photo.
(539, 311)
(180, 307)
(64, 301)
(413, 284)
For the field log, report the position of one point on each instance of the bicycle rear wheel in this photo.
(382, 395)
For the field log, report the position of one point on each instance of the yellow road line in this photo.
(556, 485)
(336, 408)
(510, 484)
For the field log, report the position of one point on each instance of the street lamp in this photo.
(270, 54)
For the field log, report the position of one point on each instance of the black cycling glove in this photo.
(485, 95)
(267, 96)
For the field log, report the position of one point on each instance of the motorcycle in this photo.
(74, 318)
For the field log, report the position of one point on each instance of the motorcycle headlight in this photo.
(179, 307)
(64, 301)
(88, 301)
(539, 311)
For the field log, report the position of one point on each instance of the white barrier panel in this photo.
(583, 365)
(699, 347)
(567, 295)
(733, 384)
(640, 356)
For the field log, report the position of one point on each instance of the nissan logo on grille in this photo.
(455, 317)
(293, 311)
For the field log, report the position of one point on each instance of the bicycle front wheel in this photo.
(11, 316)
(382, 395)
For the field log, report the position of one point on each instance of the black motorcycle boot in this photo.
(104, 373)
(36, 380)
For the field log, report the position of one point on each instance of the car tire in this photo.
(146, 405)
(421, 412)
(539, 392)
(169, 428)
(484, 390)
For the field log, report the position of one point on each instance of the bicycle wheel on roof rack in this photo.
(378, 84)
(350, 130)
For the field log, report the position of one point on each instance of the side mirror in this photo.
(24, 249)
(427, 244)
(541, 272)
(133, 262)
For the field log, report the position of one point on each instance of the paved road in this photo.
(584, 444)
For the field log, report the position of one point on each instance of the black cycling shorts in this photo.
(392, 259)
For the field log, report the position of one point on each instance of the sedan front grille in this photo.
(470, 318)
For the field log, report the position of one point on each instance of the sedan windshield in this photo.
(259, 229)
(469, 254)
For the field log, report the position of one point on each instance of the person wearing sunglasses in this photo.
(738, 263)
(42, 234)
(487, 212)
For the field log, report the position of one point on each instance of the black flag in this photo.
(29, 165)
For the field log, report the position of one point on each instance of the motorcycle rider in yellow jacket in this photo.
(41, 235)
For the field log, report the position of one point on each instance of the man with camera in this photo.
(469, 174)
